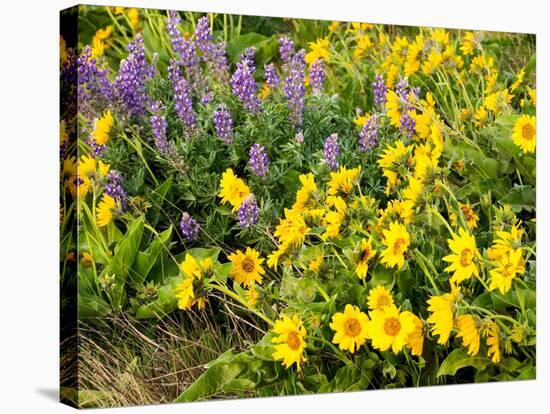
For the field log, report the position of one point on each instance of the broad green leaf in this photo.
(458, 359)
(145, 260)
(521, 197)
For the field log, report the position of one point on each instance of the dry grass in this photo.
(125, 362)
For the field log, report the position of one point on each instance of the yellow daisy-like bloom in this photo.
(103, 127)
(305, 193)
(390, 328)
(366, 252)
(185, 294)
(86, 259)
(397, 241)
(98, 47)
(524, 134)
(318, 50)
(292, 230)
(363, 44)
(290, 343)
(247, 267)
(264, 92)
(333, 27)
(104, 34)
(379, 297)
(493, 342)
(133, 16)
(469, 43)
(193, 271)
(393, 108)
(190, 267)
(510, 265)
(351, 327)
(233, 190)
(343, 180)
(468, 330)
(442, 309)
(469, 214)
(315, 264)
(415, 341)
(463, 246)
(252, 295)
(106, 210)
(518, 81)
(414, 189)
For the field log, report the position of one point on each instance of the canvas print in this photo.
(257, 206)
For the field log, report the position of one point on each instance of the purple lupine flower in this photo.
(368, 134)
(294, 88)
(243, 84)
(159, 126)
(299, 137)
(223, 123)
(202, 35)
(130, 81)
(317, 76)
(331, 151)
(207, 98)
(114, 187)
(95, 90)
(270, 76)
(184, 103)
(189, 227)
(184, 48)
(379, 90)
(286, 48)
(407, 122)
(257, 160)
(248, 212)
(97, 150)
(402, 88)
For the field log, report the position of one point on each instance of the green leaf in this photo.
(145, 260)
(157, 199)
(521, 197)
(459, 359)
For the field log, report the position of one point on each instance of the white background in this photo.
(29, 211)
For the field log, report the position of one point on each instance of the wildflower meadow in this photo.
(257, 206)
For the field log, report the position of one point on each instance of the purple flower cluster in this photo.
(189, 227)
(258, 161)
(379, 90)
(206, 98)
(368, 134)
(286, 49)
(223, 123)
(405, 93)
(159, 126)
(294, 88)
(114, 188)
(317, 76)
(270, 75)
(331, 151)
(248, 212)
(130, 81)
(243, 84)
(212, 53)
(184, 103)
(184, 48)
(94, 87)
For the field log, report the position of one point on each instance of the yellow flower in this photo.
(467, 326)
(104, 33)
(518, 80)
(264, 92)
(252, 295)
(98, 47)
(481, 116)
(397, 241)
(318, 50)
(190, 267)
(442, 315)
(350, 328)
(469, 214)
(392, 157)
(273, 258)
(393, 108)
(233, 190)
(86, 259)
(414, 190)
(185, 294)
(290, 343)
(463, 246)
(247, 267)
(379, 297)
(343, 180)
(193, 271)
(361, 120)
(524, 134)
(102, 129)
(363, 44)
(106, 210)
(469, 43)
(133, 16)
(390, 328)
(304, 194)
(291, 230)
(333, 27)
(518, 334)
(366, 252)
(415, 341)
(315, 264)
(493, 342)
(510, 265)
(497, 101)
(532, 95)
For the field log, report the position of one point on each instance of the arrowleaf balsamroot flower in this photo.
(102, 129)
(462, 259)
(509, 266)
(390, 328)
(106, 210)
(397, 241)
(379, 297)
(233, 190)
(247, 267)
(442, 315)
(468, 330)
(290, 343)
(524, 134)
(366, 252)
(351, 328)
